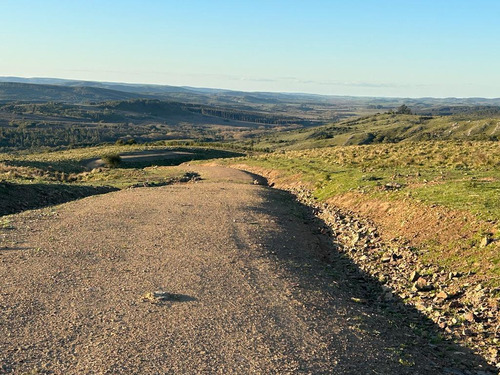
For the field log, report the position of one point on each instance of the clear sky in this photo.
(350, 47)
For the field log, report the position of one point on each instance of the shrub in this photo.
(112, 160)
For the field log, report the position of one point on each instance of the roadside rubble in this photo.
(459, 304)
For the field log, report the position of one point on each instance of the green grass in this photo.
(467, 193)
(459, 175)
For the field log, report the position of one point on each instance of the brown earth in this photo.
(418, 223)
(240, 286)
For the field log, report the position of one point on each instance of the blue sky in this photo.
(369, 48)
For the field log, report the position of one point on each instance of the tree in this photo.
(403, 110)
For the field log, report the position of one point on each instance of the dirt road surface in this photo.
(241, 288)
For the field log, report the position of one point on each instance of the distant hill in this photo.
(307, 106)
(14, 91)
(232, 96)
(127, 87)
(166, 109)
(184, 93)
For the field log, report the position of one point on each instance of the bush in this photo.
(112, 160)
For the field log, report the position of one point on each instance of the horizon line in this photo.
(242, 91)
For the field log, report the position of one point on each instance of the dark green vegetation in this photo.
(112, 160)
(30, 125)
(39, 113)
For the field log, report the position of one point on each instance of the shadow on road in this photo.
(406, 336)
(14, 248)
(20, 197)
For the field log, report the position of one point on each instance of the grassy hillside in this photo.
(387, 128)
(421, 217)
(401, 183)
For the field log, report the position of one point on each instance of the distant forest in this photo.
(66, 114)
(35, 125)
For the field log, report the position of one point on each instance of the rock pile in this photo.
(458, 303)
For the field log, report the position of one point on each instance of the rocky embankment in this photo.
(459, 304)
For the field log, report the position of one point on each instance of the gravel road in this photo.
(216, 277)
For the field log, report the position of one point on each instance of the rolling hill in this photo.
(387, 128)
(272, 101)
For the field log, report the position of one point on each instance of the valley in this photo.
(394, 220)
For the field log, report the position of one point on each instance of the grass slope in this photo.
(386, 128)
(452, 184)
